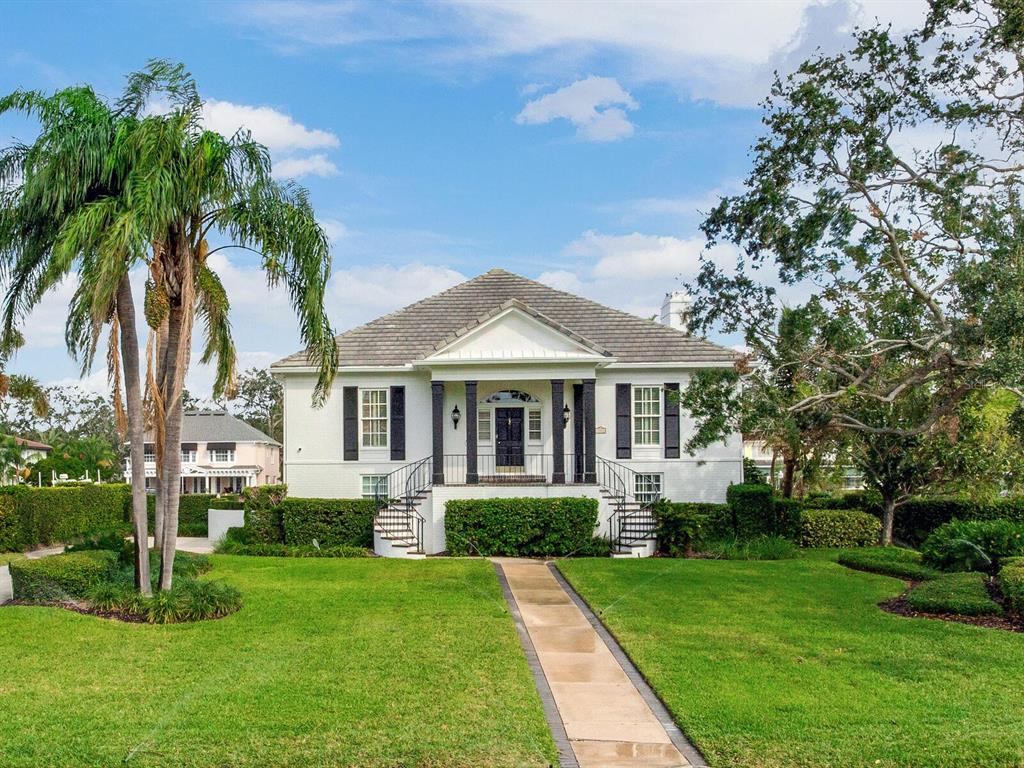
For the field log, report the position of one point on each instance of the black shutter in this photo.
(623, 422)
(672, 420)
(350, 423)
(398, 423)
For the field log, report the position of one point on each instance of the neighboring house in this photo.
(767, 461)
(32, 450)
(502, 386)
(219, 454)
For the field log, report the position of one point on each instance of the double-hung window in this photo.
(534, 425)
(222, 456)
(188, 457)
(483, 426)
(372, 484)
(149, 455)
(646, 415)
(647, 487)
(374, 418)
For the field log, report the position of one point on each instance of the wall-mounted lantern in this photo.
(456, 416)
(565, 416)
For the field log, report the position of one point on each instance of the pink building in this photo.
(220, 453)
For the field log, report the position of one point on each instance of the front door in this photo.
(508, 434)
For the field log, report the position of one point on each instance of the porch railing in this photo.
(502, 469)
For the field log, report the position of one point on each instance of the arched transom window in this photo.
(511, 397)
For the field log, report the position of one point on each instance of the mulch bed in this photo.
(898, 606)
(85, 609)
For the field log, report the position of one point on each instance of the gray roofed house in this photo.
(503, 386)
(220, 453)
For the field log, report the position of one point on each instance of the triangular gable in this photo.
(514, 331)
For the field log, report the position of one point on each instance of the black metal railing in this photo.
(397, 496)
(503, 469)
(632, 519)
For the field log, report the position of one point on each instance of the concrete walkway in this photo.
(607, 721)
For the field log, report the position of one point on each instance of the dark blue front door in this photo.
(508, 433)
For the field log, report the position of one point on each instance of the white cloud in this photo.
(297, 167)
(595, 105)
(276, 130)
(364, 292)
(706, 49)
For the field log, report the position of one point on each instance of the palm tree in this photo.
(42, 187)
(166, 186)
(10, 458)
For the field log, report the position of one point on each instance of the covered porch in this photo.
(513, 432)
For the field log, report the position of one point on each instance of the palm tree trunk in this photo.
(161, 498)
(177, 364)
(136, 431)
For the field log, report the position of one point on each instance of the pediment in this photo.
(514, 332)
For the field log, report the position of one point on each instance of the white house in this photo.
(503, 386)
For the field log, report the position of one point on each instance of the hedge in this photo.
(329, 522)
(916, 519)
(973, 545)
(62, 577)
(838, 528)
(48, 515)
(1011, 582)
(753, 509)
(888, 561)
(192, 512)
(532, 527)
(965, 594)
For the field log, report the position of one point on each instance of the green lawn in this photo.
(791, 663)
(329, 662)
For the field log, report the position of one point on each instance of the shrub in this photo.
(1011, 582)
(329, 522)
(600, 546)
(764, 547)
(838, 528)
(59, 513)
(973, 545)
(229, 501)
(786, 517)
(263, 513)
(752, 506)
(10, 538)
(888, 561)
(960, 593)
(233, 547)
(189, 600)
(62, 577)
(680, 526)
(918, 518)
(520, 526)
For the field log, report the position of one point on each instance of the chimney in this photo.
(676, 309)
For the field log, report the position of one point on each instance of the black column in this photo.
(437, 411)
(590, 435)
(557, 431)
(472, 478)
(577, 433)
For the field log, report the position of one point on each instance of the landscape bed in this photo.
(330, 662)
(791, 663)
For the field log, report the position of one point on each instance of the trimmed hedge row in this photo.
(838, 528)
(965, 594)
(329, 522)
(532, 527)
(62, 577)
(192, 512)
(888, 561)
(32, 517)
(1011, 582)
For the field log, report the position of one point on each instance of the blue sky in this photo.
(573, 143)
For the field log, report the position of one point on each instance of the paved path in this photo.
(607, 721)
(196, 544)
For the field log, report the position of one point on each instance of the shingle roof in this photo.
(212, 426)
(413, 333)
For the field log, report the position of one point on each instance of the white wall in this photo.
(313, 437)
